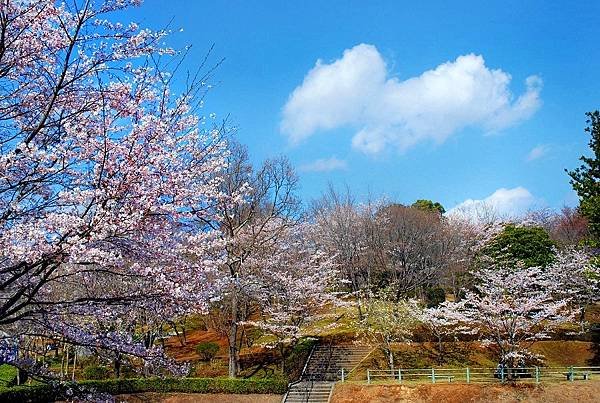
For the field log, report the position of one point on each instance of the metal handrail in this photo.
(307, 390)
(361, 360)
(307, 360)
(297, 381)
(330, 394)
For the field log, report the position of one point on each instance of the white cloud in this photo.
(324, 165)
(357, 90)
(538, 152)
(502, 204)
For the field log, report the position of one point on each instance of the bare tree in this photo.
(419, 246)
(341, 229)
(569, 227)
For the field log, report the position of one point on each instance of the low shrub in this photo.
(8, 375)
(207, 350)
(96, 372)
(435, 296)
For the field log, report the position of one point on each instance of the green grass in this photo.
(7, 374)
(338, 321)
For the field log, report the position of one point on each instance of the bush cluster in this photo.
(207, 350)
(96, 372)
(44, 393)
(8, 375)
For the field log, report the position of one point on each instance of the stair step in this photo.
(306, 400)
(323, 368)
(309, 400)
(325, 394)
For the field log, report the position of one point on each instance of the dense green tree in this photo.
(586, 179)
(527, 244)
(428, 205)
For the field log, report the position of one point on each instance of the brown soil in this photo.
(565, 353)
(249, 357)
(459, 393)
(188, 352)
(193, 337)
(193, 398)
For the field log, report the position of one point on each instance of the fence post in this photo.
(537, 374)
(400, 375)
(342, 374)
(432, 375)
(368, 376)
(571, 374)
(468, 375)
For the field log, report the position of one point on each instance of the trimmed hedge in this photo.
(44, 393)
(37, 393)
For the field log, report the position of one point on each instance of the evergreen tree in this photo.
(429, 206)
(586, 179)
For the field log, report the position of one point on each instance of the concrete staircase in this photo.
(323, 369)
(309, 392)
(327, 361)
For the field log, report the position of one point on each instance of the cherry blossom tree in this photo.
(259, 208)
(296, 281)
(103, 173)
(512, 308)
(443, 321)
(577, 278)
(388, 321)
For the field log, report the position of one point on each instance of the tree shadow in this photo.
(427, 354)
(595, 349)
(451, 353)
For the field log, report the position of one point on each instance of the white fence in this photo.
(480, 375)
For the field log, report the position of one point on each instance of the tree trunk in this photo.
(232, 338)
(356, 290)
(74, 362)
(390, 359)
(180, 338)
(62, 363)
(582, 317)
(282, 353)
(67, 364)
(118, 366)
(233, 354)
(360, 312)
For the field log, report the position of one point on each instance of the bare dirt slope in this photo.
(188, 351)
(459, 393)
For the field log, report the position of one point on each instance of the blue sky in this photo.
(450, 101)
